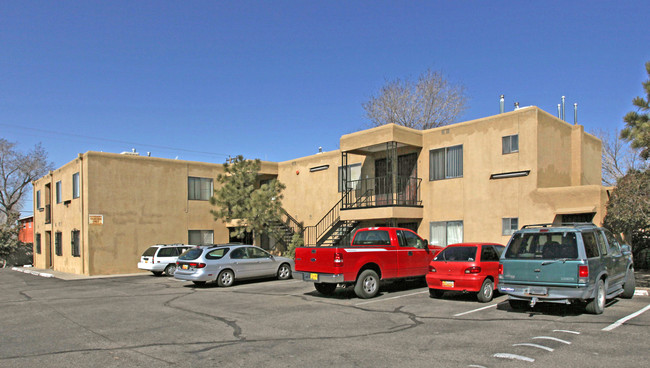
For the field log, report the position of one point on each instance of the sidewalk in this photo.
(69, 276)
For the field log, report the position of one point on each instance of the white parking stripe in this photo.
(552, 338)
(475, 310)
(567, 331)
(395, 297)
(534, 346)
(513, 357)
(476, 366)
(625, 319)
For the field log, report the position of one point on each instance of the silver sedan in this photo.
(226, 263)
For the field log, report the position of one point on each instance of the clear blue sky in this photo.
(201, 80)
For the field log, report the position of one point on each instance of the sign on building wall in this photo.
(96, 219)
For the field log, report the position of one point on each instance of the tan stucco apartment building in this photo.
(472, 181)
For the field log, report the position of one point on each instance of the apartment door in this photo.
(407, 173)
(48, 249)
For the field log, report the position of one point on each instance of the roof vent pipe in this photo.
(559, 111)
(502, 107)
(575, 113)
(563, 109)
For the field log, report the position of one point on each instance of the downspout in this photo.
(84, 236)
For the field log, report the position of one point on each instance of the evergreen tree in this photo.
(637, 130)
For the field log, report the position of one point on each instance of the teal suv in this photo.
(567, 263)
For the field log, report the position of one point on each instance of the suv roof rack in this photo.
(563, 224)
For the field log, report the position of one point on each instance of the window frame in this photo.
(192, 194)
(507, 144)
(349, 173)
(201, 234)
(509, 229)
(58, 243)
(445, 162)
(37, 243)
(38, 199)
(75, 185)
(446, 234)
(75, 243)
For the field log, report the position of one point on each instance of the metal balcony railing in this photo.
(383, 191)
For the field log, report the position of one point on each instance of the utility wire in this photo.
(114, 140)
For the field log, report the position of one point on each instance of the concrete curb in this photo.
(68, 276)
(35, 273)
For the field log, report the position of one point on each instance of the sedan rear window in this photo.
(191, 254)
(465, 254)
(150, 252)
(551, 245)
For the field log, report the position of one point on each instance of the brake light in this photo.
(500, 269)
(432, 269)
(474, 269)
(197, 265)
(583, 271)
(338, 259)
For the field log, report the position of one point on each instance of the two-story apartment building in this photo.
(472, 181)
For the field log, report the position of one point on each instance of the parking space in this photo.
(153, 321)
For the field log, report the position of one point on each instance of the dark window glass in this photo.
(446, 163)
(591, 246)
(602, 245)
(551, 245)
(167, 252)
(239, 253)
(372, 237)
(191, 254)
(38, 243)
(488, 254)
(75, 185)
(216, 253)
(58, 243)
(257, 253)
(151, 251)
(464, 254)
(75, 242)
(199, 189)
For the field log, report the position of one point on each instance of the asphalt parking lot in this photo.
(147, 321)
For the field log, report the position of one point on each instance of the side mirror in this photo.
(626, 249)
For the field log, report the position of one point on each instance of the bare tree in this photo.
(618, 157)
(430, 102)
(17, 171)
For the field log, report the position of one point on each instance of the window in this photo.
(59, 195)
(509, 225)
(74, 243)
(445, 233)
(257, 253)
(75, 185)
(409, 239)
(217, 253)
(372, 237)
(58, 243)
(353, 174)
(200, 237)
(239, 253)
(614, 246)
(38, 199)
(488, 254)
(510, 144)
(37, 243)
(167, 252)
(199, 189)
(600, 239)
(446, 163)
(462, 254)
(591, 246)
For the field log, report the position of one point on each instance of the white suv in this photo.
(162, 258)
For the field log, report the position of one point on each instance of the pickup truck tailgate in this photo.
(316, 259)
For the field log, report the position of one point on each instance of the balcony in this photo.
(382, 192)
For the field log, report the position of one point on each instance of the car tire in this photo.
(487, 291)
(157, 273)
(518, 305)
(436, 293)
(325, 288)
(597, 304)
(367, 285)
(630, 284)
(226, 278)
(170, 270)
(199, 283)
(284, 272)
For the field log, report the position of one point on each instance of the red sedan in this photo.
(466, 267)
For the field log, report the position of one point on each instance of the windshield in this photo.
(550, 245)
(150, 252)
(191, 254)
(465, 254)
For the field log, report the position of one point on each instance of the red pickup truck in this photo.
(376, 253)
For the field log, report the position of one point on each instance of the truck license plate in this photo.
(448, 284)
(542, 291)
(313, 276)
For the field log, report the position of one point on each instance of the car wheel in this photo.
(284, 272)
(436, 293)
(170, 270)
(487, 291)
(156, 273)
(225, 278)
(630, 284)
(199, 283)
(325, 288)
(518, 305)
(597, 304)
(367, 285)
